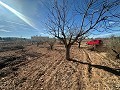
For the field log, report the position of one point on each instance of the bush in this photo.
(6, 48)
(114, 46)
(19, 47)
(9, 48)
(2, 49)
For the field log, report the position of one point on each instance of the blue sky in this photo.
(29, 20)
(13, 26)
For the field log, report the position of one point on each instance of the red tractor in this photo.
(95, 43)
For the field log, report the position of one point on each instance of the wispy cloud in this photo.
(111, 22)
(15, 22)
(3, 30)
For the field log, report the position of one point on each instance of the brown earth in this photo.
(43, 69)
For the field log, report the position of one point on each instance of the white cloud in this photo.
(111, 22)
(3, 30)
(14, 22)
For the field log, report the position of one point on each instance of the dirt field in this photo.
(37, 68)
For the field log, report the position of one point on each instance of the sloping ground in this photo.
(52, 72)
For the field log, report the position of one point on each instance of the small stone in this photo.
(41, 88)
(3, 78)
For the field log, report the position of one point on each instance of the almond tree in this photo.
(80, 39)
(51, 42)
(88, 15)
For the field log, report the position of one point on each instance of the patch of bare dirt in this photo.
(45, 69)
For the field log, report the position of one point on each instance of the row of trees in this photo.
(11, 38)
(41, 40)
(71, 20)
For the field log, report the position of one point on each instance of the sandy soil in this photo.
(49, 70)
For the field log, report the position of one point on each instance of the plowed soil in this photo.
(43, 69)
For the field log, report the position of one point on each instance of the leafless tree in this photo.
(80, 39)
(87, 15)
(51, 43)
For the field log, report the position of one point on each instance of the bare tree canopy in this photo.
(99, 15)
(68, 20)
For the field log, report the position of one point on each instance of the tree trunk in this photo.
(94, 47)
(79, 43)
(68, 52)
(51, 47)
(37, 44)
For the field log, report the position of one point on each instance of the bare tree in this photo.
(51, 43)
(80, 39)
(87, 15)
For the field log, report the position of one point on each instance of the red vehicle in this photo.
(94, 42)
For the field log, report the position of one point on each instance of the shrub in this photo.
(114, 46)
(2, 49)
(19, 47)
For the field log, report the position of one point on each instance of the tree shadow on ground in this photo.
(105, 68)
